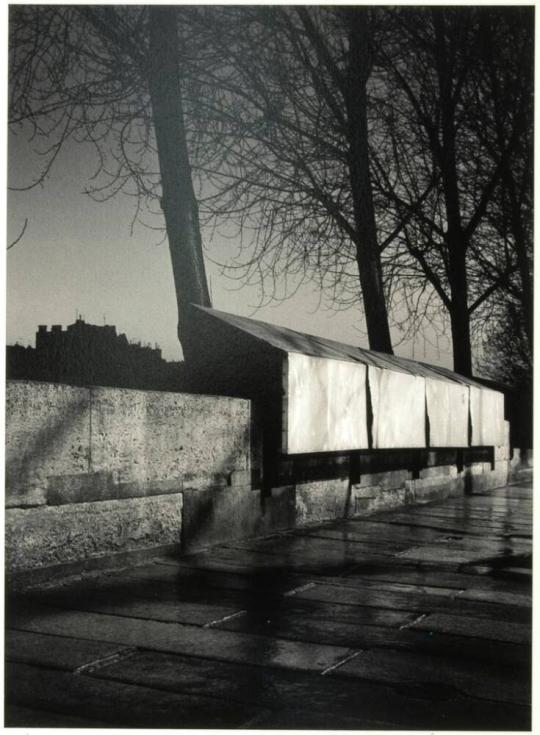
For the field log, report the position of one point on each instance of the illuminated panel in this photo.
(487, 417)
(500, 422)
(325, 405)
(399, 410)
(475, 403)
(448, 413)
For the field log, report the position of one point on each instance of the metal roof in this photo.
(289, 340)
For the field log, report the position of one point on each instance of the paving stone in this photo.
(337, 632)
(412, 574)
(448, 554)
(419, 602)
(187, 639)
(375, 538)
(15, 716)
(299, 627)
(56, 651)
(297, 546)
(508, 598)
(115, 602)
(286, 691)
(118, 703)
(469, 678)
(476, 628)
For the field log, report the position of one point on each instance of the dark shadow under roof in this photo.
(288, 340)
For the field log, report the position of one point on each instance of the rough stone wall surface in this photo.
(321, 501)
(47, 434)
(127, 441)
(47, 536)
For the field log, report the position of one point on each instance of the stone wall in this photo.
(97, 471)
(315, 501)
(101, 476)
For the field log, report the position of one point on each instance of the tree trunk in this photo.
(445, 155)
(367, 247)
(178, 197)
(459, 310)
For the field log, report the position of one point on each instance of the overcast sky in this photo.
(77, 256)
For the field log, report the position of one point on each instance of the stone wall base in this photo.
(48, 536)
(49, 542)
(486, 477)
(332, 500)
(521, 465)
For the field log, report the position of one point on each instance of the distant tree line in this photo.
(384, 152)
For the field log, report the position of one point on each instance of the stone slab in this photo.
(94, 486)
(47, 536)
(476, 628)
(449, 470)
(57, 652)
(15, 716)
(281, 508)
(415, 599)
(213, 516)
(285, 691)
(118, 703)
(488, 479)
(299, 628)
(367, 500)
(134, 601)
(321, 501)
(186, 639)
(428, 489)
(469, 678)
(68, 445)
(47, 433)
(149, 436)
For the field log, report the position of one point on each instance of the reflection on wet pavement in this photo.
(413, 619)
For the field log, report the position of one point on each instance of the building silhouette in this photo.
(87, 354)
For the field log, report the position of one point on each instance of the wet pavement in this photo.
(413, 619)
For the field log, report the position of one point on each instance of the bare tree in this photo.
(109, 76)
(371, 149)
(503, 121)
(433, 168)
(288, 111)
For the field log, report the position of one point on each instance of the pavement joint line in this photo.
(341, 663)
(224, 619)
(302, 588)
(413, 622)
(101, 663)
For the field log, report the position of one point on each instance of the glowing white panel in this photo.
(398, 401)
(487, 417)
(448, 413)
(500, 422)
(325, 405)
(492, 418)
(475, 403)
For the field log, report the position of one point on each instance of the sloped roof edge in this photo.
(289, 340)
